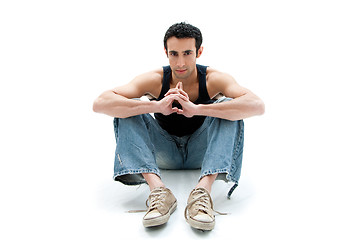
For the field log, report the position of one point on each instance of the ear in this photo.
(166, 52)
(200, 51)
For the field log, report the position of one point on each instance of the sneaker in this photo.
(199, 211)
(161, 203)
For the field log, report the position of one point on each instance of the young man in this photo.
(192, 129)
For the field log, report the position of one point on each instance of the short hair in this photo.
(184, 30)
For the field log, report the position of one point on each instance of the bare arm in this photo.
(119, 101)
(243, 105)
(238, 108)
(115, 105)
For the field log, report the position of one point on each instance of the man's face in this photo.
(182, 56)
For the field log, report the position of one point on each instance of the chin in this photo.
(183, 76)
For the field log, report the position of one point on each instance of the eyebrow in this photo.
(186, 51)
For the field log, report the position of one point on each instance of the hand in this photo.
(177, 94)
(177, 90)
(165, 105)
(188, 108)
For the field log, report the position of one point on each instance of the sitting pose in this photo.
(197, 124)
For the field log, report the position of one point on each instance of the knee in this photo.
(227, 126)
(130, 122)
(127, 126)
(223, 99)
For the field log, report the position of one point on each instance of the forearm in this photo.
(116, 105)
(236, 109)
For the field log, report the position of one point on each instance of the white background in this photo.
(300, 176)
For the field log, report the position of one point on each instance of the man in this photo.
(192, 129)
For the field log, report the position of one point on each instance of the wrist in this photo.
(200, 109)
(154, 106)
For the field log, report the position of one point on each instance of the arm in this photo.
(119, 102)
(238, 108)
(243, 105)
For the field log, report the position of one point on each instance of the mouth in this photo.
(180, 70)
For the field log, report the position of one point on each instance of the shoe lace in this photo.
(156, 199)
(202, 202)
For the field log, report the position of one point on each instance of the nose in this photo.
(181, 61)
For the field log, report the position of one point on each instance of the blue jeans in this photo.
(142, 146)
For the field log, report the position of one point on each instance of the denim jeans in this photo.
(142, 146)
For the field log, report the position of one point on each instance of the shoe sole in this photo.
(159, 220)
(206, 226)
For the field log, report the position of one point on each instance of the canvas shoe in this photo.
(161, 204)
(199, 211)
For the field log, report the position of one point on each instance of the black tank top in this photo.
(176, 124)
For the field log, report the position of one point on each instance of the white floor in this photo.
(300, 176)
(65, 190)
(114, 200)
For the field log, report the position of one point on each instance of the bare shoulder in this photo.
(148, 83)
(214, 75)
(223, 83)
(155, 75)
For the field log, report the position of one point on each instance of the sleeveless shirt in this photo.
(177, 124)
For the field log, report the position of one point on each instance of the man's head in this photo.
(182, 44)
(184, 30)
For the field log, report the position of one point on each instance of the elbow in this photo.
(101, 103)
(97, 105)
(257, 108)
(260, 107)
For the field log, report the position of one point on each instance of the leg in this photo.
(219, 145)
(222, 158)
(224, 152)
(153, 180)
(217, 148)
(134, 150)
(142, 147)
(135, 163)
(207, 181)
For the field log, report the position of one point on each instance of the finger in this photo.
(180, 111)
(172, 91)
(181, 97)
(171, 98)
(175, 109)
(177, 91)
(175, 96)
(178, 85)
(184, 93)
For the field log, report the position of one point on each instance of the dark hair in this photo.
(184, 30)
